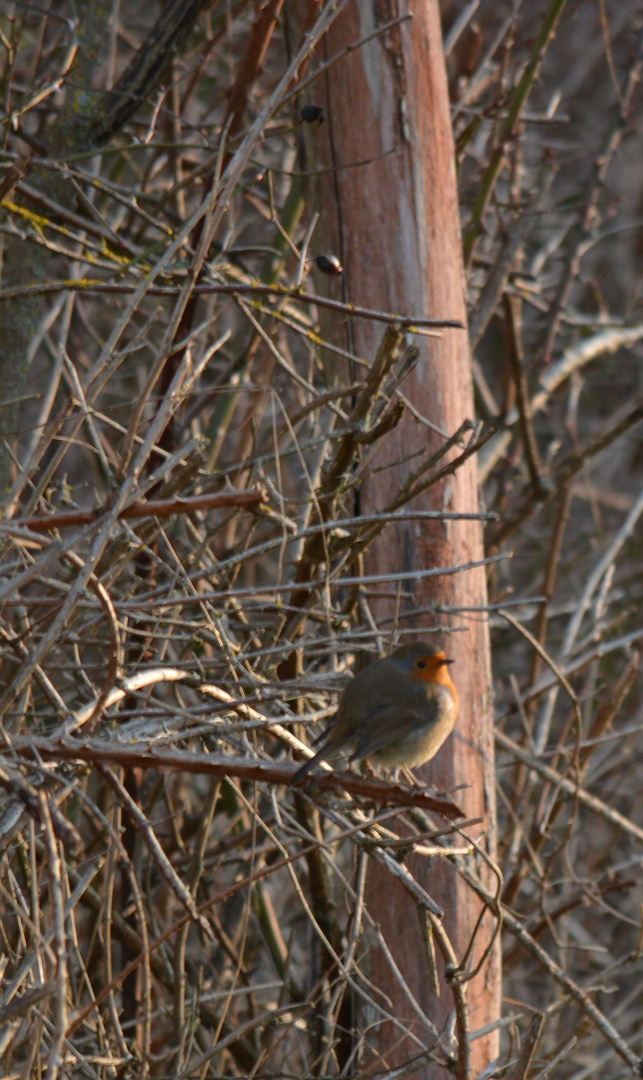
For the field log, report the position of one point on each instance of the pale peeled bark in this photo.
(394, 224)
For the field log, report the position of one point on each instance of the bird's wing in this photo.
(392, 723)
(325, 734)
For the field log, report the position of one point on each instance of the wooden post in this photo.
(394, 225)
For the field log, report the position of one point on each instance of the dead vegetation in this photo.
(183, 578)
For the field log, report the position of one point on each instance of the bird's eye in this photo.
(420, 663)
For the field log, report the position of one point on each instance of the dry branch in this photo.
(248, 499)
(250, 435)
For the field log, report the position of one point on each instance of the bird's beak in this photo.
(445, 661)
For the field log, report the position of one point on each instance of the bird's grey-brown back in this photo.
(394, 710)
(397, 711)
(364, 689)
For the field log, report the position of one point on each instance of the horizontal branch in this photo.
(87, 285)
(160, 508)
(255, 591)
(140, 755)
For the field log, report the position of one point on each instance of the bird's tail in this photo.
(322, 753)
(303, 771)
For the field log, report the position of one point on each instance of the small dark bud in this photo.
(312, 114)
(329, 264)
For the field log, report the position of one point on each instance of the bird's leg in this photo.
(366, 769)
(411, 780)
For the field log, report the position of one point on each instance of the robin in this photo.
(398, 711)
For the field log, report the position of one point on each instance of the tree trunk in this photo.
(394, 225)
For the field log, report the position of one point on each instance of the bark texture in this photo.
(394, 225)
